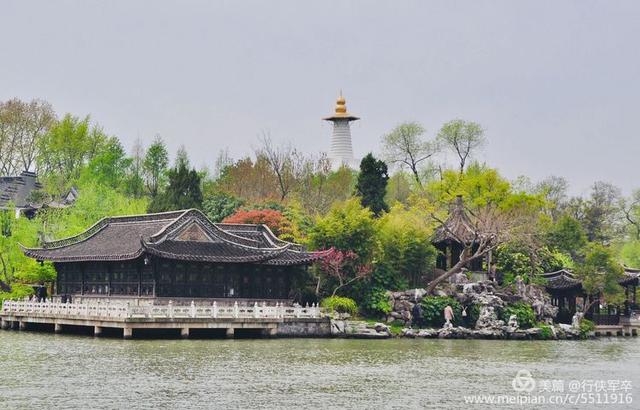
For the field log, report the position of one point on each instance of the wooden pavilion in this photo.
(455, 233)
(177, 254)
(567, 293)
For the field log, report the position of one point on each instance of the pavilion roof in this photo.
(566, 280)
(458, 227)
(183, 235)
(562, 280)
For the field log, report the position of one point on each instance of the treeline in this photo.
(378, 221)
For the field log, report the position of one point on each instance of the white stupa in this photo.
(341, 151)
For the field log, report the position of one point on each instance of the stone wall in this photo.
(304, 328)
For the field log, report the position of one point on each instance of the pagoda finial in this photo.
(341, 105)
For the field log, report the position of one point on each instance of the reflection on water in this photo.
(40, 370)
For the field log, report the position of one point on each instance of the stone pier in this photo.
(127, 332)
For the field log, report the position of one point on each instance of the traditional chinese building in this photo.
(567, 293)
(175, 254)
(453, 235)
(17, 194)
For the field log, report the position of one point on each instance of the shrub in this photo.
(18, 291)
(524, 313)
(433, 310)
(220, 205)
(586, 326)
(278, 224)
(377, 302)
(546, 332)
(339, 304)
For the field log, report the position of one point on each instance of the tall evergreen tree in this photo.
(183, 191)
(372, 184)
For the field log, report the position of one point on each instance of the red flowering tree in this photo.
(277, 222)
(343, 267)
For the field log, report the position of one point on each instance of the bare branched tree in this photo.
(405, 146)
(463, 138)
(21, 126)
(285, 161)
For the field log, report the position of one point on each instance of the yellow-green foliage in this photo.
(94, 203)
(348, 226)
(339, 304)
(404, 243)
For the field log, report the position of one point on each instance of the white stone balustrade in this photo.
(169, 311)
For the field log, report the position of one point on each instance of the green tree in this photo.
(183, 192)
(463, 138)
(406, 146)
(155, 166)
(66, 148)
(135, 173)
(372, 184)
(630, 254)
(347, 227)
(220, 205)
(600, 214)
(404, 245)
(95, 202)
(479, 185)
(600, 273)
(109, 166)
(399, 188)
(567, 235)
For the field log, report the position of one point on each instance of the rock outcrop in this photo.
(485, 295)
(359, 330)
(489, 299)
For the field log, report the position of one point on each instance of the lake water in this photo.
(42, 370)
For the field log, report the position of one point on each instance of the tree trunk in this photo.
(455, 269)
(416, 175)
(5, 286)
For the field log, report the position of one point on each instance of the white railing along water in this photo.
(169, 311)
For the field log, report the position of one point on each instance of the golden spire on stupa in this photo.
(341, 111)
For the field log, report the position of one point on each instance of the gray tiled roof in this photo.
(458, 226)
(16, 190)
(128, 237)
(564, 279)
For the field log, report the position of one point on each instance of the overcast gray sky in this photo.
(555, 84)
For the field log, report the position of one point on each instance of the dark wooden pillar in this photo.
(140, 268)
(82, 272)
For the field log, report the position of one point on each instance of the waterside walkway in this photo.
(270, 320)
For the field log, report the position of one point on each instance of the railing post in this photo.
(214, 310)
(170, 309)
(235, 309)
(255, 310)
(193, 309)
